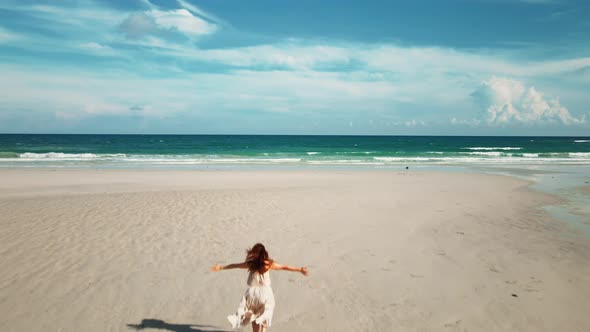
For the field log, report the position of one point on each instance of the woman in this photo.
(258, 302)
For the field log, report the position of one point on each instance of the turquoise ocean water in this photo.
(139, 151)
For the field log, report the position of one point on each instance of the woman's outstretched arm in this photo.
(216, 268)
(302, 270)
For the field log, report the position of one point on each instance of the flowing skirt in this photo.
(257, 305)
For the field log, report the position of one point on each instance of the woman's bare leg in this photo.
(255, 327)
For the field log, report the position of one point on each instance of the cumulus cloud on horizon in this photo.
(508, 101)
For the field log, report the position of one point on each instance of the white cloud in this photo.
(413, 123)
(471, 122)
(86, 94)
(277, 55)
(438, 60)
(183, 21)
(432, 63)
(199, 12)
(138, 25)
(510, 101)
(384, 58)
(91, 17)
(98, 49)
(85, 15)
(431, 76)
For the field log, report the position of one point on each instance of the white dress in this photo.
(257, 304)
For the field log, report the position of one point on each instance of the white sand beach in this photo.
(104, 250)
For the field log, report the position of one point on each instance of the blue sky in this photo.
(489, 67)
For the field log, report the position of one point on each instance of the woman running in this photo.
(258, 302)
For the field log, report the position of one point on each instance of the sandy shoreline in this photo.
(96, 250)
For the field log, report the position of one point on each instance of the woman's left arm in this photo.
(302, 270)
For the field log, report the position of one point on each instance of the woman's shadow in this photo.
(162, 325)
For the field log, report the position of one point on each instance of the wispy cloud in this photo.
(203, 14)
(183, 21)
(307, 55)
(138, 25)
(470, 122)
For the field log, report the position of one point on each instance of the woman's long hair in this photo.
(257, 258)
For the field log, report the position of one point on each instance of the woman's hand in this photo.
(216, 268)
(304, 271)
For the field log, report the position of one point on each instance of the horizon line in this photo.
(300, 135)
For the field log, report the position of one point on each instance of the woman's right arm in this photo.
(277, 266)
(216, 268)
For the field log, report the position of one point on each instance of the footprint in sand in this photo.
(453, 324)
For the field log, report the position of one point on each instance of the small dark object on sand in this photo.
(514, 295)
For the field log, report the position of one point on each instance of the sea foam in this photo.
(493, 148)
(68, 156)
(491, 154)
